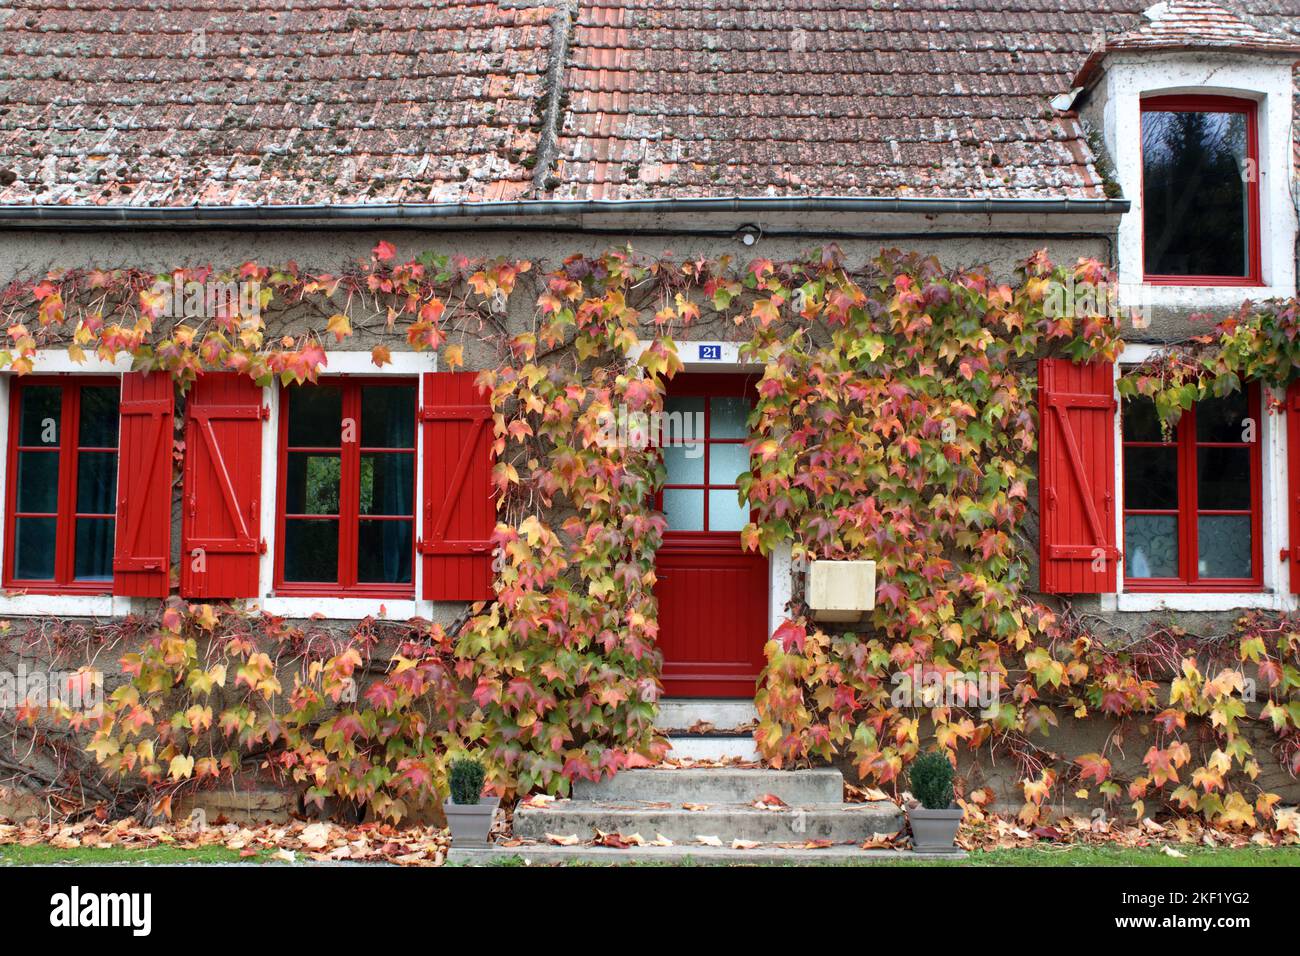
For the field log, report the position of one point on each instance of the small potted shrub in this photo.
(934, 823)
(469, 813)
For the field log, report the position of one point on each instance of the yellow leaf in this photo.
(181, 767)
(340, 325)
(455, 356)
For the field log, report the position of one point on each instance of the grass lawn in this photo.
(44, 855)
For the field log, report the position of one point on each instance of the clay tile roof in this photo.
(1192, 25)
(181, 102)
(178, 102)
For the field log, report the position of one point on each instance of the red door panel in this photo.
(712, 594)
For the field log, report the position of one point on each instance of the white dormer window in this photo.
(1200, 191)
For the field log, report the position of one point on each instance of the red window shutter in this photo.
(1076, 477)
(221, 512)
(1293, 479)
(142, 553)
(459, 512)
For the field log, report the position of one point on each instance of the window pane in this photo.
(684, 509)
(388, 416)
(1141, 422)
(97, 482)
(34, 548)
(387, 483)
(726, 513)
(1223, 477)
(38, 481)
(98, 425)
(312, 484)
(682, 422)
(726, 462)
(1193, 194)
(384, 551)
(728, 418)
(1224, 545)
(311, 550)
(315, 416)
(93, 558)
(1151, 546)
(1151, 478)
(685, 464)
(41, 413)
(1223, 419)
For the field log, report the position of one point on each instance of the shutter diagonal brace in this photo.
(129, 561)
(436, 542)
(203, 419)
(1059, 403)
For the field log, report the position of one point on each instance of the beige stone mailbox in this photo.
(841, 590)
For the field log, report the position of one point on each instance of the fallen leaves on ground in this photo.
(286, 842)
(984, 830)
(770, 801)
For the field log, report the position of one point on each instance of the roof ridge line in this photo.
(563, 23)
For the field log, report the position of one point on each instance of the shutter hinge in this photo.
(261, 546)
(265, 412)
(1290, 554)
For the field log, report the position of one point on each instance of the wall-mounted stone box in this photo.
(841, 590)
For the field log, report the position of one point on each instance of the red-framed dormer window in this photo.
(346, 489)
(61, 501)
(1200, 191)
(1193, 497)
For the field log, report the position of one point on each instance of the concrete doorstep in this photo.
(543, 854)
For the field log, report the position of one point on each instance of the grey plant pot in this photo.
(934, 831)
(470, 822)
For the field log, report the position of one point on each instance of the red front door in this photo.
(712, 594)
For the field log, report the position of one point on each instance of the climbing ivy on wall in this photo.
(895, 421)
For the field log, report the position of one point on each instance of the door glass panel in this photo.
(1151, 546)
(1224, 545)
(728, 417)
(384, 552)
(315, 416)
(685, 464)
(311, 550)
(93, 557)
(98, 426)
(684, 509)
(312, 484)
(682, 422)
(41, 414)
(1193, 194)
(727, 462)
(725, 512)
(34, 548)
(38, 481)
(97, 482)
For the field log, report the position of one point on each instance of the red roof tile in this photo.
(176, 102)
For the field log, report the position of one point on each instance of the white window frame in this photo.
(54, 362)
(351, 364)
(1276, 595)
(1268, 81)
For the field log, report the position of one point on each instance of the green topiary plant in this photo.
(931, 780)
(465, 780)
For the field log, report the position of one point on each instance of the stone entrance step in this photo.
(837, 823)
(706, 715)
(537, 854)
(715, 785)
(712, 748)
